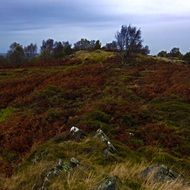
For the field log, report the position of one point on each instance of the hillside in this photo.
(144, 109)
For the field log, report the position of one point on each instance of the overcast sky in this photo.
(164, 23)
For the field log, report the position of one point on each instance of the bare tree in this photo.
(130, 41)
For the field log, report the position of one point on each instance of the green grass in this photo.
(174, 112)
(95, 56)
(6, 113)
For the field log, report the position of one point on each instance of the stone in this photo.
(48, 175)
(110, 149)
(74, 162)
(100, 134)
(76, 133)
(160, 173)
(110, 183)
(110, 146)
(74, 129)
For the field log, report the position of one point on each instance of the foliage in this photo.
(30, 51)
(16, 53)
(175, 52)
(129, 40)
(5, 113)
(186, 57)
(85, 44)
(163, 54)
(111, 46)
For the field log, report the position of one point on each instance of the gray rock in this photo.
(78, 135)
(160, 173)
(48, 175)
(110, 183)
(74, 162)
(110, 149)
(103, 137)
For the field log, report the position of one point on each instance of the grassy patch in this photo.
(174, 112)
(6, 113)
(95, 56)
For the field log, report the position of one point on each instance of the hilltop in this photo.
(142, 106)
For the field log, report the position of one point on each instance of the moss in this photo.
(6, 113)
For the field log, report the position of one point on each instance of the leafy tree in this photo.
(175, 52)
(16, 53)
(30, 51)
(111, 46)
(144, 50)
(47, 48)
(98, 45)
(58, 50)
(129, 40)
(85, 44)
(186, 57)
(163, 54)
(67, 48)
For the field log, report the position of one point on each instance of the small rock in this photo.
(110, 183)
(74, 129)
(76, 133)
(74, 162)
(102, 136)
(110, 146)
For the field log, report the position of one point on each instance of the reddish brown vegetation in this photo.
(162, 80)
(80, 90)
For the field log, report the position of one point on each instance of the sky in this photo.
(164, 23)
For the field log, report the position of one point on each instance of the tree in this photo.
(129, 40)
(58, 50)
(186, 57)
(30, 51)
(111, 46)
(85, 44)
(47, 48)
(16, 53)
(175, 52)
(67, 48)
(163, 54)
(145, 50)
(98, 45)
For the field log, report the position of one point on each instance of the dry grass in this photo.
(85, 179)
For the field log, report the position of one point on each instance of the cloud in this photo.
(27, 21)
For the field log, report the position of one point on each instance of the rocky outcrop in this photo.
(110, 149)
(46, 177)
(161, 173)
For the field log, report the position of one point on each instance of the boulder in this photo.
(48, 175)
(160, 173)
